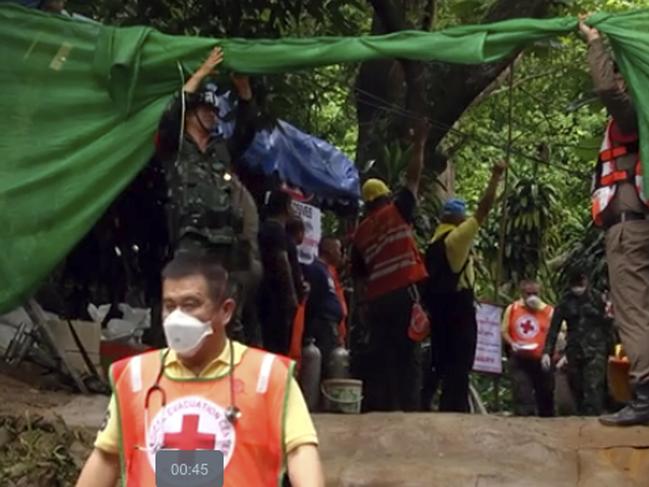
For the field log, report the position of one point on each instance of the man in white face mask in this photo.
(524, 330)
(205, 392)
(589, 340)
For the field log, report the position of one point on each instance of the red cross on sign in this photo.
(189, 438)
(527, 327)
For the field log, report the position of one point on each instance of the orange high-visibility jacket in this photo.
(194, 417)
(608, 176)
(389, 251)
(528, 327)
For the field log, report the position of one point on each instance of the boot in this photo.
(635, 413)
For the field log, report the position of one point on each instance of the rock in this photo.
(429, 450)
(79, 451)
(5, 436)
(84, 411)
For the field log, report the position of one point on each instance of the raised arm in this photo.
(416, 163)
(207, 68)
(609, 84)
(170, 122)
(489, 196)
(245, 125)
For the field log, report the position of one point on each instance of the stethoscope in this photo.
(232, 413)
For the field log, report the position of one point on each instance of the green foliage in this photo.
(392, 163)
(529, 207)
(556, 124)
(318, 101)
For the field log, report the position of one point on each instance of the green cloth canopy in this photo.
(80, 103)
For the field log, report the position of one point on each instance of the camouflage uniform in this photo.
(201, 212)
(589, 341)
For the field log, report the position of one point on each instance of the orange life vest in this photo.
(340, 292)
(608, 176)
(527, 327)
(194, 417)
(389, 251)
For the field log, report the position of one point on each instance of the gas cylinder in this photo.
(338, 364)
(310, 372)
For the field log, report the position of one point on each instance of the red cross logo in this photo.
(189, 438)
(527, 327)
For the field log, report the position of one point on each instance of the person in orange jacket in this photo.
(388, 265)
(525, 327)
(204, 392)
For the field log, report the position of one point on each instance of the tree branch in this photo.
(453, 88)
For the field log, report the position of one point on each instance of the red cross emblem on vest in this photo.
(527, 327)
(189, 438)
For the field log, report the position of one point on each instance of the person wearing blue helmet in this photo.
(450, 300)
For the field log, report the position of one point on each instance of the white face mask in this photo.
(578, 290)
(533, 302)
(185, 333)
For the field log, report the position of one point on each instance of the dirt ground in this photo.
(45, 436)
(16, 396)
(38, 447)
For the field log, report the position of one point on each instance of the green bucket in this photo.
(342, 396)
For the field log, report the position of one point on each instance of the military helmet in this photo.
(208, 96)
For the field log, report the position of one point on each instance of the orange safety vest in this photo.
(608, 176)
(389, 251)
(527, 327)
(194, 417)
(340, 292)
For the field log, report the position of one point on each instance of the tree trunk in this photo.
(444, 93)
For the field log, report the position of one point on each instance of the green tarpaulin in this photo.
(80, 102)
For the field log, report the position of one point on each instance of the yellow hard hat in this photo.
(373, 189)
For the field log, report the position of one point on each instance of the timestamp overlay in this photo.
(189, 468)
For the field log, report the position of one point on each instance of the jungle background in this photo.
(535, 108)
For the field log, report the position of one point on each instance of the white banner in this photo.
(488, 353)
(312, 218)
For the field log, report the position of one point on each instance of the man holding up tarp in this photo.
(208, 208)
(386, 260)
(622, 209)
(197, 162)
(451, 301)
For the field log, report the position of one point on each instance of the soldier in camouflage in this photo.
(208, 209)
(589, 340)
(196, 160)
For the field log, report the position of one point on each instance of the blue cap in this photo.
(454, 207)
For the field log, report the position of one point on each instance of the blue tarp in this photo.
(304, 161)
(299, 159)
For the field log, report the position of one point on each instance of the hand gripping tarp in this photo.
(80, 102)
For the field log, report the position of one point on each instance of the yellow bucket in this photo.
(619, 385)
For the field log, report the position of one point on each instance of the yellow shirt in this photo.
(298, 429)
(458, 243)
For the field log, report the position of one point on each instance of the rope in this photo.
(387, 107)
(503, 220)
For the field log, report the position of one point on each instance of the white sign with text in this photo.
(488, 353)
(312, 218)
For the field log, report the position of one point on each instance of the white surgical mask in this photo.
(578, 290)
(185, 333)
(533, 302)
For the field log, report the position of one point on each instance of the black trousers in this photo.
(454, 332)
(532, 388)
(392, 372)
(276, 321)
